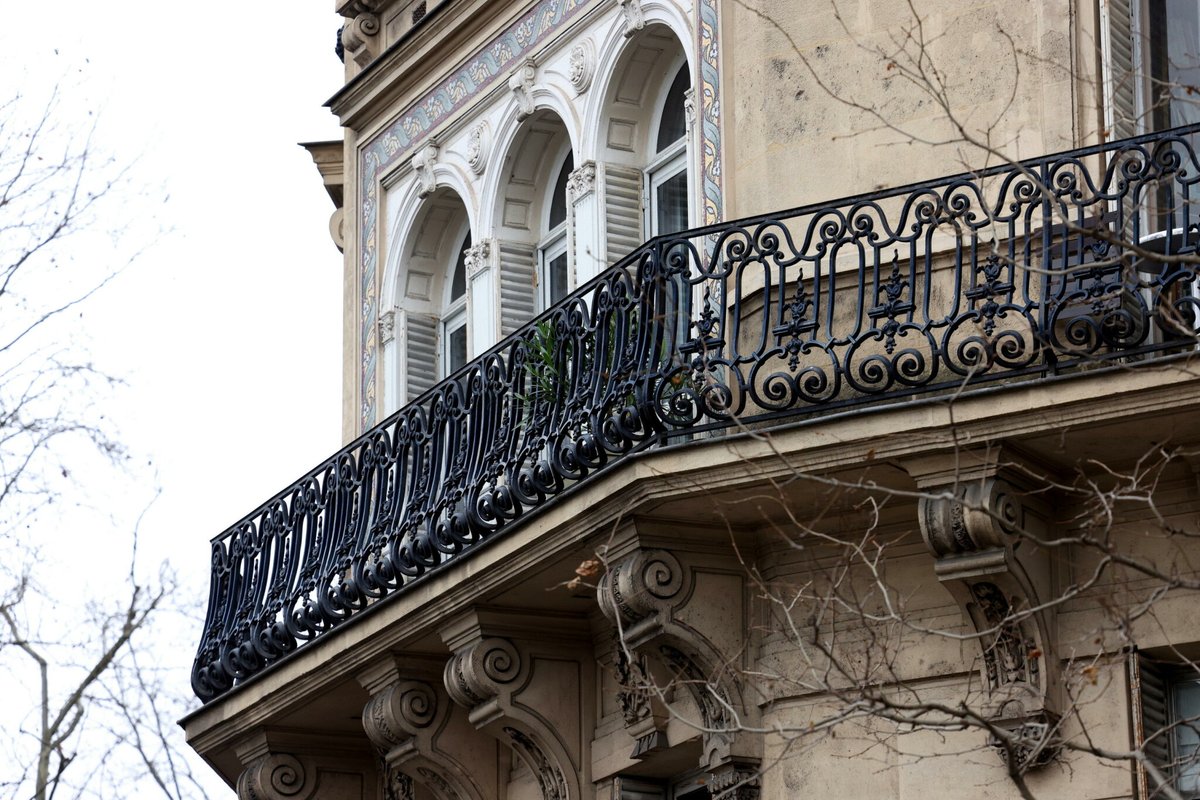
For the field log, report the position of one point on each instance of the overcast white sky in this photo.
(227, 329)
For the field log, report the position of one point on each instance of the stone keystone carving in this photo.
(982, 533)
(477, 148)
(634, 19)
(423, 163)
(521, 84)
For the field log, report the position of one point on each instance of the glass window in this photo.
(672, 123)
(1185, 695)
(1174, 62)
(667, 175)
(553, 273)
(454, 316)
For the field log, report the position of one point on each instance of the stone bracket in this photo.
(983, 528)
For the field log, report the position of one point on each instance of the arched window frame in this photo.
(554, 259)
(668, 163)
(455, 337)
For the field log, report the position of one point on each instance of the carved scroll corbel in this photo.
(635, 20)
(640, 594)
(275, 776)
(489, 675)
(359, 37)
(423, 163)
(981, 535)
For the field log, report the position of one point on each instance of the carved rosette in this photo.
(581, 66)
(521, 84)
(276, 776)
(477, 148)
(478, 258)
(423, 163)
(481, 671)
(582, 181)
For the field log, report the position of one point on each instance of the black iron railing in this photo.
(1019, 270)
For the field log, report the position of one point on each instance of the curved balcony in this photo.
(1082, 260)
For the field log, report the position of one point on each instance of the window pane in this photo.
(1187, 735)
(672, 124)
(456, 349)
(671, 204)
(458, 282)
(558, 279)
(558, 201)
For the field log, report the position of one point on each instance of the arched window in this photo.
(553, 282)
(667, 174)
(454, 314)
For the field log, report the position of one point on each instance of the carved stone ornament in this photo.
(359, 36)
(634, 19)
(399, 712)
(582, 181)
(397, 785)
(387, 327)
(735, 781)
(981, 534)
(478, 258)
(423, 163)
(639, 587)
(689, 108)
(480, 672)
(477, 148)
(581, 66)
(521, 84)
(276, 776)
(549, 777)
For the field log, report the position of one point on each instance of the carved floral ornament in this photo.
(582, 181)
(477, 148)
(581, 65)
(423, 163)
(478, 257)
(635, 20)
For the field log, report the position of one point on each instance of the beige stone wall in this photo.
(828, 98)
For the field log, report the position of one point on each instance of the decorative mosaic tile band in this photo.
(488, 65)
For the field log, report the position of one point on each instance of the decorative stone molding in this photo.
(297, 765)
(397, 785)
(521, 84)
(359, 37)
(581, 65)
(582, 181)
(387, 327)
(735, 781)
(423, 163)
(479, 257)
(634, 19)
(983, 532)
(477, 148)
(645, 718)
(275, 776)
(410, 723)
(488, 674)
(689, 109)
(641, 595)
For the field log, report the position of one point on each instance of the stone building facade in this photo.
(739, 403)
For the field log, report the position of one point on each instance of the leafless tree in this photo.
(97, 722)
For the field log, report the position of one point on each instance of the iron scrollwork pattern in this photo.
(1024, 269)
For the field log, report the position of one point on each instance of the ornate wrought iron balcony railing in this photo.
(1018, 270)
